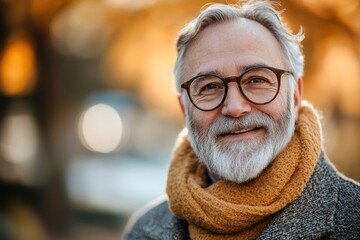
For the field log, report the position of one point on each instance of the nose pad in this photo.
(235, 104)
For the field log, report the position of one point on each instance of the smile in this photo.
(244, 133)
(243, 130)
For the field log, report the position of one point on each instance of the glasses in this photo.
(258, 85)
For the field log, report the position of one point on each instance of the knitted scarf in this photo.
(226, 210)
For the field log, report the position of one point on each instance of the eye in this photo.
(210, 86)
(257, 80)
(206, 85)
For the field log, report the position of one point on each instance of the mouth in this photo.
(243, 130)
(240, 131)
(248, 132)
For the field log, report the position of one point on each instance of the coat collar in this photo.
(310, 215)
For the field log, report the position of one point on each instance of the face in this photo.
(239, 139)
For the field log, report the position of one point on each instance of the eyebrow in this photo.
(257, 65)
(216, 72)
(240, 69)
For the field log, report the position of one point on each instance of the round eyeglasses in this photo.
(258, 85)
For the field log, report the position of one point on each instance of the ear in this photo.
(181, 105)
(298, 93)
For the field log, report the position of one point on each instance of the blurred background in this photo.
(88, 114)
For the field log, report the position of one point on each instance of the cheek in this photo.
(276, 108)
(202, 120)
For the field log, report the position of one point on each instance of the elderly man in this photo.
(250, 163)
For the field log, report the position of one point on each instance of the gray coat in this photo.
(328, 208)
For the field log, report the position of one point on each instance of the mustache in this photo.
(226, 125)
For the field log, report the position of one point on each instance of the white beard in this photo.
(243, 160)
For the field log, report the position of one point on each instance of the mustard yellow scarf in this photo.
(226, 210)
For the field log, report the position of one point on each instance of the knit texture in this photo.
(226, 210)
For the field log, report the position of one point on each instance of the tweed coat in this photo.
(328, 208)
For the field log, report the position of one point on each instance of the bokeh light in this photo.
(20, 145)
(18, 67)
(100, 128)
(19, 138)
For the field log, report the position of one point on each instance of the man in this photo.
(250, 163)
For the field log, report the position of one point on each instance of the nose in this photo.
(235, 105)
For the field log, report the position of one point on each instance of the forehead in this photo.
(229, 46)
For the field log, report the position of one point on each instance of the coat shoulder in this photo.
(347, 214)
(156, 221)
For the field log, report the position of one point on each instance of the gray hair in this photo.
(262, 12)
